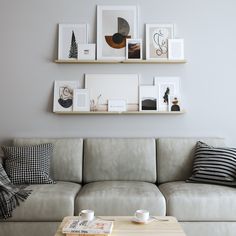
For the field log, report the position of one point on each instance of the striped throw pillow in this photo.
(29, 164)
(214, 165)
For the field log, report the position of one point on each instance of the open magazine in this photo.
(96, 226)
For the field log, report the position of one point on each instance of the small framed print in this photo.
(176, 49)
(70, 35)
(157, 36)
(117, 105)
(81, 100)
(133, 49)
(148, 98)
(167, 86)
(174, 103)
(63, 95)
(86, 52)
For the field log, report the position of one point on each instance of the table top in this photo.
(123, 226)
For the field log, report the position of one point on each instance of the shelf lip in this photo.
(121, 62)
(119, 113)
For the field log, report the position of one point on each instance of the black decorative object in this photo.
(73, 47)
(165, 97)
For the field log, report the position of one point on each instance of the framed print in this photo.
(167, 86)
(176, 49)
(134, 49)
(86, 52)
(115, 24)
(148, 98)
(157, 36)
(117, 105)
(70, 35)
(174, 103)
(81, 100)
(63, 95)
(104, 87)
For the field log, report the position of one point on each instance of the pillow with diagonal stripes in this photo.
(29, 164)
(216, 165)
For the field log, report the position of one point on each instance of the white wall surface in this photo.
(28, 46)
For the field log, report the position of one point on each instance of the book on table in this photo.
(97, 226)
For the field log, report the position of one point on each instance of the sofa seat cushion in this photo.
(199, 202)
(47, 202)
(120, 198)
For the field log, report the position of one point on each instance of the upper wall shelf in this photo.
(119, 62)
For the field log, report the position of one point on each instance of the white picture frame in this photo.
(157, 36)
(174, 104)
(167, 86)
(114, 25)
(176, 49)
(104, 87)
(148, 98)
(81, 101)
(134, 49)
(70, 35)
(63, 95)
(117, 105)
(86, 52)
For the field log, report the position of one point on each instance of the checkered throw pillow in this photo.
(29, 164)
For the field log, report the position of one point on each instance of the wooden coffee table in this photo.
(163, 226)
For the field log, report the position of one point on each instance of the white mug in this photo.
(87, 215)
(142, 215)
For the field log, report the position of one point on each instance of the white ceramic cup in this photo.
(87, 215)
(142, 215)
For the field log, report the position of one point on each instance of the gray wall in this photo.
(28, 46)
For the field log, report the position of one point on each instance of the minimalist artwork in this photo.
(81, 100)
(148, 98)
(70, 35)
(174, 103)
(134, 49)
(175, 49)
(115, 24)
(104, 87)
(157, 36)
(167, 86)
(63, 95)
(86, 51)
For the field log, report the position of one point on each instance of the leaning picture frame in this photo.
(134, 49)
(148, 98)
(81, 100)
(115, 24)
(157, 36)
(167, 86)
(70, 35)
(63, 95)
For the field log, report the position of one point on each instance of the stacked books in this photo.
(75, 227)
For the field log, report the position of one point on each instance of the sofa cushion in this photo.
(215, 165)
(120, 198)
(29, 164)
(47, 202)
(119, 159)
(175, 157)
(67, 156)
(199, 202)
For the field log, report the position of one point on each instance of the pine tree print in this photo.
(73, 47)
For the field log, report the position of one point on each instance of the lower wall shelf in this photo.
(119, 113)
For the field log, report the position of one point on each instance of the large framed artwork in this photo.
(63, 95)
(167, 87)
(70, 35)
(157, 36)
(105, 87)
(115, 24)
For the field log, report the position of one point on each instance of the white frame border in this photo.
(77, 92)
(140, 41)
(100, 8)
(147, 29)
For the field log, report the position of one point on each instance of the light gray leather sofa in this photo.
(116, 176)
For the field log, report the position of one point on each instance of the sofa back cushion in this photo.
(119, 159)
(67, 156)
(175, 157)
